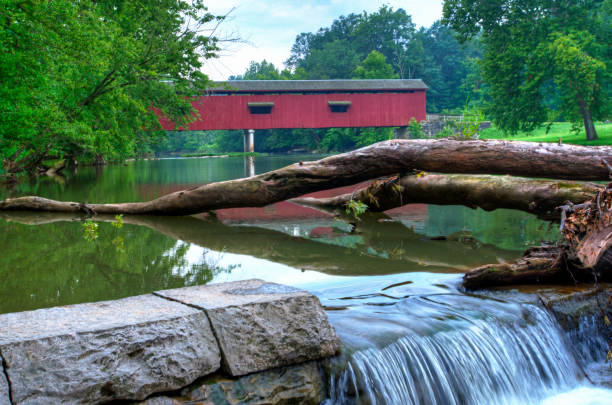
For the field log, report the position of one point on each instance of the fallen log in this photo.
(584, 255)
(539, 265)
(380, 159)
(539, 197)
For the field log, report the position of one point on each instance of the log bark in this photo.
(540, 264)
(539, 197)
(380, 159)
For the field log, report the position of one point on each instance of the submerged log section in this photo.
(380, 159)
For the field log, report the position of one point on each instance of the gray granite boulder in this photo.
(92, 353)
(299, 384)
(262, 325)
(4, 388)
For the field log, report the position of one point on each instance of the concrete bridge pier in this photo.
(249, 140)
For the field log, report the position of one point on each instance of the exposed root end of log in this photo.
(588, 231)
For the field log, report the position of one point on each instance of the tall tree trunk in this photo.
(380, 159)
(589, 126)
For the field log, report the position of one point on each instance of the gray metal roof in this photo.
(318, 85)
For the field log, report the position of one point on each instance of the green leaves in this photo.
(575, 72)
(374, 66)
(263, 70)
(415, 129)
(542, 61)
(335, 52)
(356, 208)
(79, 78)
(90, 231)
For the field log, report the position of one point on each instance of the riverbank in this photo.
(558, 130)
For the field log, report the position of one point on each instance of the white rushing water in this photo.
(487, 362)
(581, 396)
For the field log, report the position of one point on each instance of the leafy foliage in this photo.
(415, 129)
(374, 66)
(356, 208)
(433, 54)
(90, 231)
(542, 61)
(85, 86)
(263, 70)
(469, 126)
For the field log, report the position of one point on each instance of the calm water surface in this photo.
(390, 289)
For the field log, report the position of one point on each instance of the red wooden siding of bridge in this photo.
(369, 107)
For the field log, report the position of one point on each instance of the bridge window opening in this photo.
(261, 108)
(339, 106)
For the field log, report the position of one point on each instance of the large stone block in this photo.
(262, 325)
(92, 353)
(300, 384)
(4, 388)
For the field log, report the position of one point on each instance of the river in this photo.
(390, 283)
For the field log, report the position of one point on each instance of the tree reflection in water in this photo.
(52, 263)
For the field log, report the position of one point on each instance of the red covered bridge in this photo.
(268, 104)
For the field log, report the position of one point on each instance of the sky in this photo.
(268, 28)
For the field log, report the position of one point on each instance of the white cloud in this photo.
(269, 28)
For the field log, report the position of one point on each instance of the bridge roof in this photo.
(296, 86)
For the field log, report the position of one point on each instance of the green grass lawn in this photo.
(558, 130)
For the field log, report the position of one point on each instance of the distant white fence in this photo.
(446, 118)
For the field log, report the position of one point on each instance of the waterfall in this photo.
(489, 361)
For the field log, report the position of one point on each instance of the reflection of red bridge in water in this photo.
(282, 211)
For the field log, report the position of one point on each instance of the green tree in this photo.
(78, 78)
(449, 68)
(539, 50)
(334, 52)
(375, 66)
(390, 32)
(432, 54)
(263, 70)
(333, 60)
